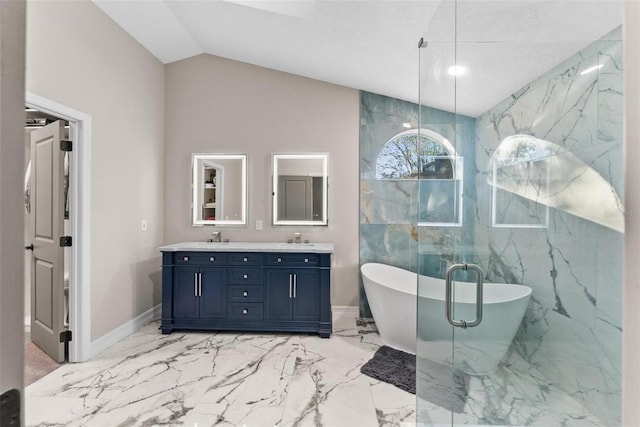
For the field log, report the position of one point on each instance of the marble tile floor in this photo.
(228, 379)
(224, 379)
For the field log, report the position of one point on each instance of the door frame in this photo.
(80, 222)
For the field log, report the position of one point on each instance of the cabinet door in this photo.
(185, 289)
(306, 303)
(278, 292)
(213, 295)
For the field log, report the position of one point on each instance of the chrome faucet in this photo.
(298, 238)
(216, 236)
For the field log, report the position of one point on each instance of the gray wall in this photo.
(216, 105)
(12, 24)
(631, 291)
(78, 57)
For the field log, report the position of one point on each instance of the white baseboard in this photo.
(27, 323)
(344, 311)
(155, 313)
(124, 330)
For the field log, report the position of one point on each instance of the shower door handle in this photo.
(448, 299)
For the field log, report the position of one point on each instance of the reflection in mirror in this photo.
(300, 189)
(549, 174)
(219, 189)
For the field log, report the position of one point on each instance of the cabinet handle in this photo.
(195, 284)
(290, 285)
(186, 258)
(199, 284)
(295, 284)
(245, 294)
(245, 276)
(245, 311)
(212, 259)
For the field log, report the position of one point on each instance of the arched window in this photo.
(416, 154)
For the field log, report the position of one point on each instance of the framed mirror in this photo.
(219, 189)
(300, 186)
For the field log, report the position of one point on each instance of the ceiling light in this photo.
(590, 69)
(456, 70)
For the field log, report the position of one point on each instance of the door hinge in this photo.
(65, 145)
(65, 336)
(10, 408)
(65, 241)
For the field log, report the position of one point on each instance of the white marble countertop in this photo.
(249, 247)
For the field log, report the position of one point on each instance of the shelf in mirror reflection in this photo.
(219, 189)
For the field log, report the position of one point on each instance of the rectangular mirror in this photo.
(300, 185)
(219, 189)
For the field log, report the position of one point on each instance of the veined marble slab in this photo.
(321, 248)
(201, 379)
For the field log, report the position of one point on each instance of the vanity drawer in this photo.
(245, 275)
(246, 259)
(246, 293)
(293, 259)
(245, 311)
(200, 258)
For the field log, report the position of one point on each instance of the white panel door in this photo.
(47, 226)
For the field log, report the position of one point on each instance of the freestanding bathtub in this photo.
(391, 292)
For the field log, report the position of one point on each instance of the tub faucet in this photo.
(298, 237)
(216, 236)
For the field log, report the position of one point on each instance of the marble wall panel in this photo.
(389, 208)
(572, 330)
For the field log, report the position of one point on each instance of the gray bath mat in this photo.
(437, 385)
(394, 367)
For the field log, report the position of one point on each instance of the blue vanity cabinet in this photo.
(194, 289)
(292, 294)
(306, 296)
(246, 291)
(279, 291)
(297, 290)
(185, 298)
(199, 292)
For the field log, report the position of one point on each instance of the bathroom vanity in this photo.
(276, 287)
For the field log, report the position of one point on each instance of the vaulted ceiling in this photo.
(373, 45)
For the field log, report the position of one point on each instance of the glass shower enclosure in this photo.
(520, 220)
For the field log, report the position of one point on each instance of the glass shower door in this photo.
(530, 214)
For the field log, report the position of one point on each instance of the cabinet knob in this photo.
(245, 311)
(186, 258)
(279, 259)
(306, 260)
(245, 294)
(212, 259)
(245, 259)
(245, 276)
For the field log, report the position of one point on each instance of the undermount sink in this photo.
(211, 244)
